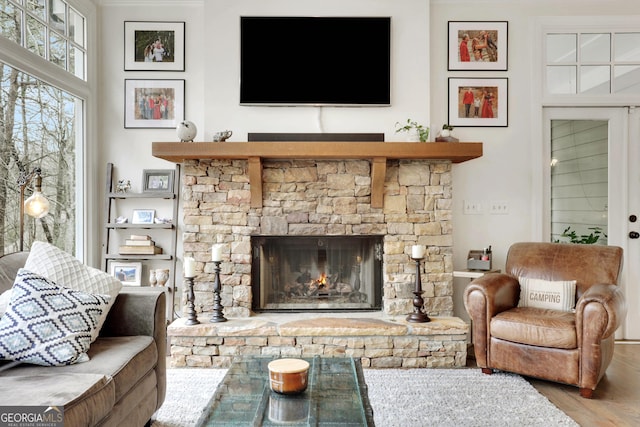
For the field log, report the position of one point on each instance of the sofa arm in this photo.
(600, 311)
(137, 312)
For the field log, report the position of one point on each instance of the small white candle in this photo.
(417, 251)
(189, 267)
(216, 253)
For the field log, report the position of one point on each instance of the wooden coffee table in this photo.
(336, 395)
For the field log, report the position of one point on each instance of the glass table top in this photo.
(336, 395)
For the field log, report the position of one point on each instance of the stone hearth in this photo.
(297, 196)
(378, 341)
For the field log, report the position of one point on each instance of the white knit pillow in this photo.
(66, 270)
(558, 295)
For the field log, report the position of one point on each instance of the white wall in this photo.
(419, 71)
(506, 170)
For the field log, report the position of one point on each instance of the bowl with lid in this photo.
(288, 376)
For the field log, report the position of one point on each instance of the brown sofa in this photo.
(568, 347)
(124, 381)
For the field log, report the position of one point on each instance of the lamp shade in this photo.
(37, 205)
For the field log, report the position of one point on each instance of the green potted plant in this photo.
(416, 132)
(445, 134)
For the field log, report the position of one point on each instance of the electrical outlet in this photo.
(473, 207)
(498, 207)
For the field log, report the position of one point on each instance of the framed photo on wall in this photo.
(153, 103)
(129, 273)
(157, 180)
(480, 102)
(154, 46)
(477, 45)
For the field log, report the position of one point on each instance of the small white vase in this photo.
(162, 276)
(152, 278)
(413, 135)
(445, 133)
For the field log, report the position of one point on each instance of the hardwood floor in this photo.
(616, 400)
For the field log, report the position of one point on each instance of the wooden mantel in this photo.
(376, 152)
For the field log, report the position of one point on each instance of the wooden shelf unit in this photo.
(376, 152)
(111, 228)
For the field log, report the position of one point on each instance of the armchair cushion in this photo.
(558, 295)
(536, 326)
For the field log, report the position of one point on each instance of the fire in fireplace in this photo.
(319, 273)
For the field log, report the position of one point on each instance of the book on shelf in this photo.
(130, 242)
(140, 250)
(139, 237)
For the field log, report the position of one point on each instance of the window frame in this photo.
(16, 56)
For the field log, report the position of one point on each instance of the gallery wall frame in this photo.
(154, 46)
(153, 103)
(478, 45)
(478, 102)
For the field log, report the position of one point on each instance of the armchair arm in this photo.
(600, 311)
(500, 292)
(137, 312)
(485, 297)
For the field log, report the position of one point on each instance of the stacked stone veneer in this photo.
(378, 343)
(304, 197)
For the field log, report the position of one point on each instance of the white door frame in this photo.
(623, 158)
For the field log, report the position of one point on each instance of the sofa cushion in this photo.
(126, 359)
(86, 398)
(536, 326)
(555, 295)
(61, 267)
(47, 324)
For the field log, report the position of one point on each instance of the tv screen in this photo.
(343, 61)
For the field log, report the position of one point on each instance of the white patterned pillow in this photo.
(5, 297)
(47, 324)
(558, 295)
(63, 268)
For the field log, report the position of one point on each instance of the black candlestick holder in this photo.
(192, 319)
(217, 304)
(418, 315)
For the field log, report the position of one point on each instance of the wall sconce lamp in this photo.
(36, 205)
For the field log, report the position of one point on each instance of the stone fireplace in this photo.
(320, 199)
(316, 273)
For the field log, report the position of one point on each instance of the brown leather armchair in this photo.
(568, 347)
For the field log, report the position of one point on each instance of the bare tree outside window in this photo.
(37, 129)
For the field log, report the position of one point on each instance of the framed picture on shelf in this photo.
(477, 45)
(157, 180)
(153, 103)
(154, 46)
(143, 216)
(480, 102)
(128, 273)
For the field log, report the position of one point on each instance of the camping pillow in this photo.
(559, 295)
(57, 265)
(47, 324)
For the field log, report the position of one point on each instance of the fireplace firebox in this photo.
(316, 273)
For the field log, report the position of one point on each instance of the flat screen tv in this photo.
(315, 61)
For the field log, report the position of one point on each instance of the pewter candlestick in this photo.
(217, 304)
(192, 319)
(418, 315)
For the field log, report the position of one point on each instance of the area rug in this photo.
(399, 397)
